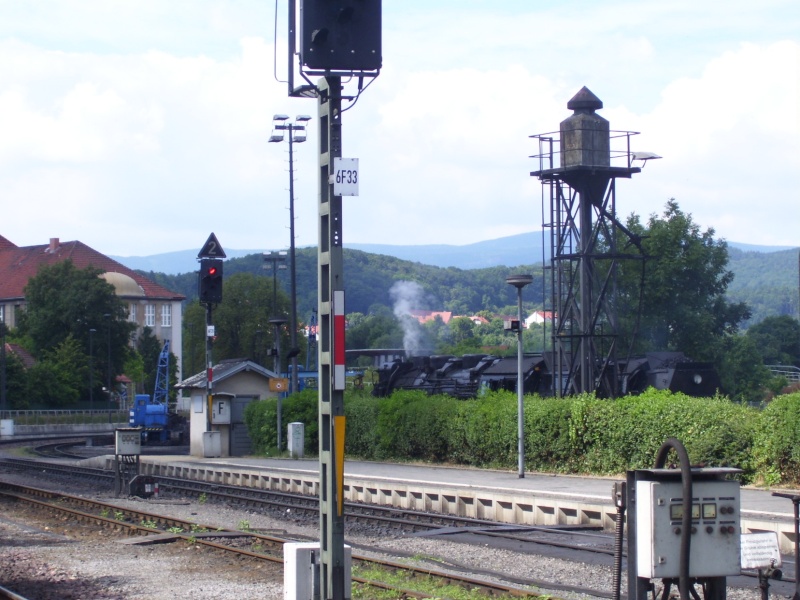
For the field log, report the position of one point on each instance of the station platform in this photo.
(536, 499)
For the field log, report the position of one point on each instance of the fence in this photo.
(65, 417)
(790, 372)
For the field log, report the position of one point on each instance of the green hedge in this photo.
(562, 435)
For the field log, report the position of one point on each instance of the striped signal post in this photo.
(331, 346)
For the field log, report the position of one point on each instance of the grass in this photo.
(403, 581)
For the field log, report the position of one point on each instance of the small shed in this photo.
(236, 383)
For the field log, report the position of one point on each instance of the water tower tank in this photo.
(585, 135)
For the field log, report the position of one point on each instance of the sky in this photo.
(140, 127)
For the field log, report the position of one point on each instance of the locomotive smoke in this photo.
(408, 296)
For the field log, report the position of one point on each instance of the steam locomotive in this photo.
(466, 376)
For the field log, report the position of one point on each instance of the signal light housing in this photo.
(210, 281)
(340, 35)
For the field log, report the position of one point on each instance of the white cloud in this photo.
(159, 115)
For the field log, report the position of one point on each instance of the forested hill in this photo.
(768, 282)
(369, 279)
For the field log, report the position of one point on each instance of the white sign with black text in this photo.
(345, 177)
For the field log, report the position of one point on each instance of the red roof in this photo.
(26, 357)
(19, 264)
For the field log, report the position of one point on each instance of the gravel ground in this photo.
(66, 562)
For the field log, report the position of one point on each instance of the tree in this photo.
(149, 348)
(61, 375)
(63, 301)
(777, 340)
(743, 375)
(242, 320)
(683, 293)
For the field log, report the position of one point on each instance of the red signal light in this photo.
(212, 270)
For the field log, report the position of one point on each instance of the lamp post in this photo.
(91, 369)
(108, 316)
(519, 282)
(2, 368)
(277, 261)
(297, 133)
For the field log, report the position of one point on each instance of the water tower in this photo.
(578, 168)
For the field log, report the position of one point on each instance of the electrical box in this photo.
(128, 441)
(301, 580)
(221, 411)
(297, 440)
(716, 531)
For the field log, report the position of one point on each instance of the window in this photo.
(166, 315)
(2, 314)
(132, 313)
(150, 315)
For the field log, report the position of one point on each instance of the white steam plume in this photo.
(408, 296)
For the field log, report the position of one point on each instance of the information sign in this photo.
(345, 177)
(760, 550)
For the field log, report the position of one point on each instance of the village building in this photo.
(149, 304)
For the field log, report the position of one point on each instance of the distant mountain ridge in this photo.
(510, 251)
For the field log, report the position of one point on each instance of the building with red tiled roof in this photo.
(423, 316)
(149, 304)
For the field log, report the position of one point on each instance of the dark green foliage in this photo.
(410, 426)
(569, 435)
(16, 383)
(58, 379)
(64, 301)
(777, 340)
(776, 452)
(369, 277)
(686, 277)
(766, 281)
(261, 418)
(362, 411)
(742, 373)
(612, 436)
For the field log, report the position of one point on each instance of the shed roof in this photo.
(223, 370)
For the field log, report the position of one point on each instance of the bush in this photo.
(581, 434)
(261, 418)
(776, 449)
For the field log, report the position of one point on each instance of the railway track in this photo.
(581, 540)
(578, 544)
(159, 528)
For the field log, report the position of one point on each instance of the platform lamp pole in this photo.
(108, 316)
(2, 367)
(297, 133)
(91, 369)
(519, 282)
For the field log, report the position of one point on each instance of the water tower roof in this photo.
(584, 100)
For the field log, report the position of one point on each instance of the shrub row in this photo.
(562, 435)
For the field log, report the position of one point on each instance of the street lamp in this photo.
(3, 384)
(91, 369)
(108, 316)
(519, 282)
(277, 261)
(297, 133)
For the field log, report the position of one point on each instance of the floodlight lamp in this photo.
(299, 137)
(276, 138)
(519, 281)
(302, 118)
(644, 157)
(280, 117)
